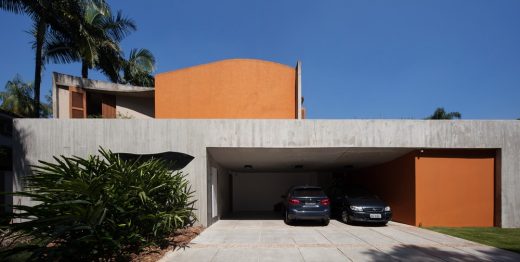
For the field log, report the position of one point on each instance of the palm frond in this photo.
(13, 6)
(118, 27)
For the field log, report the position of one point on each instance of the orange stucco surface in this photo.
(235, 88)
(395, 183)
(452, 188)
(455, 190)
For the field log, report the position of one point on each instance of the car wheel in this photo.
(326, 222)
(287, 219)
(344, 217)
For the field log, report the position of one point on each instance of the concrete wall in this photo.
(126, 106)
(223, 190)
(63, 105)
(40, 139)
(262, 191)
(141, 96)
(235, 88)
(134, 107)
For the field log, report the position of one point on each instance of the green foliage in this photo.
(123, 116)
(138, 69)
(100, 207)
(440, 113)
(66, 31)
(97, 46)
(17, 98)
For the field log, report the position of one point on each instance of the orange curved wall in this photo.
(455, 189)
(236, 88)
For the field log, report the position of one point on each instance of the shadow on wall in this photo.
(21, 166)
(424, 253)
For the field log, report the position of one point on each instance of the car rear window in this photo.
(303, 192)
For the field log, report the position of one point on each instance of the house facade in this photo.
(244, 123)
(228, 89)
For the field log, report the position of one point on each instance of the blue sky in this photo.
(361, 59)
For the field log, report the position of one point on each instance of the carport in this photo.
(423, 186)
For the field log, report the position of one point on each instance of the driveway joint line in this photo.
(362, 240)
(215, 255)
(403, 244)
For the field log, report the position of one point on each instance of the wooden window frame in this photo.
(75, 89)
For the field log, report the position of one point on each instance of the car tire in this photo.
(287, 220)
(344, 217)
(326, 222)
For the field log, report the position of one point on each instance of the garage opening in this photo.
(427, 187)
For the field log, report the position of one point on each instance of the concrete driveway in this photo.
(272, 240)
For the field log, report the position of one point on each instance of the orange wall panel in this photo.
(394, 183)
(455, 188)
(236, 88)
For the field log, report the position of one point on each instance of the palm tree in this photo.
(138, 68)
(17, 98)
(58, 15)
(95, 44)
(440, 113)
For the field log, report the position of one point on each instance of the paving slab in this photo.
(236, 254)
(365, 254)
(245, 236)
(279, 254)
(191, 254)
(335, 236)
(320, 254)
(307, 236)
(272, 236)
(273, 240)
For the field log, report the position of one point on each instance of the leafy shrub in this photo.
(100, 207)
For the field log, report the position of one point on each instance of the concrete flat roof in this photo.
(102, 86)
(303, 159)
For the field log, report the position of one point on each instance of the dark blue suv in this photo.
(307, 203)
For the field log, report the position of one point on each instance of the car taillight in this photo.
(294, 201)
(325, 202)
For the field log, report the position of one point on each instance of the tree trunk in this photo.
(84, 69)
(41, 29)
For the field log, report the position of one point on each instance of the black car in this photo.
(356, 204)
(306, 203)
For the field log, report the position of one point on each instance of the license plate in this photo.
(310, 203)
(375, 215)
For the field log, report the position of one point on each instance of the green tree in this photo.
(138, 68)
(96, 43)
(98, 48)
(73, 30)
(440, 113)
(47, 15)
(18, 98)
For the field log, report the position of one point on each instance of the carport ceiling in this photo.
(287, 159)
